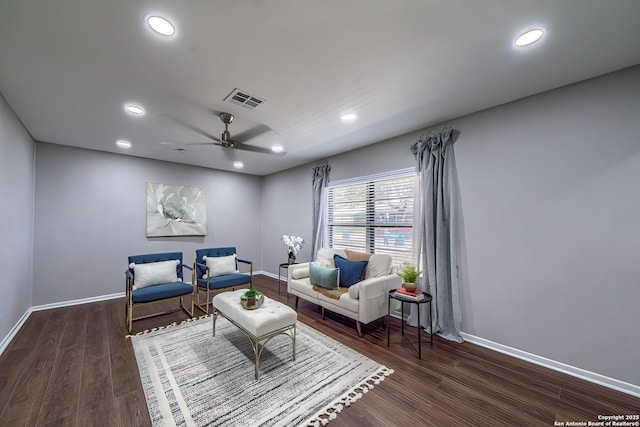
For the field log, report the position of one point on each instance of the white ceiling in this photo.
(67, 67)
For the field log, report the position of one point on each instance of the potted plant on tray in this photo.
(409, 274)
(251, 299)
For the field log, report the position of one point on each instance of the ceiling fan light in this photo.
(529, 37)
(161, 25)
(277, 148)
(238, 165)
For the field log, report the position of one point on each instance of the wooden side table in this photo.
(427, 299)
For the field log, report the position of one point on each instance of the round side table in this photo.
(427, 299)
(284, 265)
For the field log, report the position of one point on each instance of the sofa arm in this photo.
(299, 268)
(373, 296)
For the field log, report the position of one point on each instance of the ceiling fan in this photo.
(225, 140)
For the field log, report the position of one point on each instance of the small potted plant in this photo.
(251, 299)
(409, 274)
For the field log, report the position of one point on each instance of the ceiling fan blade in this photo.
(193, 128)
(192, 144)
(247, 147)
(254, 132)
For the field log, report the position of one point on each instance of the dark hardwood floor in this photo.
(74, 367)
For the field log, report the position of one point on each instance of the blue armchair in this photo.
(153, 278)
(217, 268)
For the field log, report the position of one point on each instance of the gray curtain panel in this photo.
(319, 183)
(437, 228)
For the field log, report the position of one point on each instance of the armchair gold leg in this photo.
(130, 324)
(198, 304)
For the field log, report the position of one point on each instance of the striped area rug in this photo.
(191, 378)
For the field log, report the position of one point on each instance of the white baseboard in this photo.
(593, 377)
(266, 273)
(77, 301)
(12, 333)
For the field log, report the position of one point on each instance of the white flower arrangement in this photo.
(294, 243)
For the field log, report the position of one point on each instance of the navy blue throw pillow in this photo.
(351, 272)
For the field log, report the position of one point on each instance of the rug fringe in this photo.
(159, 328)
(331, 411)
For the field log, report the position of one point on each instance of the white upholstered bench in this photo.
(271, 319)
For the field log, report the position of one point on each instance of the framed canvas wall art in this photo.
(176, 210)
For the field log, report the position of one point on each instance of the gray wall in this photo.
(90, 215)
(16, 218)
(550, 205)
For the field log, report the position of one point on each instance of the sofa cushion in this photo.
(225, 281)
(304, 287)
(351, 272)
(160, 292)
(357, 256)
(155, 273)
(344, 303)
(379, 265)
(221, 265)
(322, 276)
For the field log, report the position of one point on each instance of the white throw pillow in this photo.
(324, 258)
(221, 265)
(300, 273)
(155, 273)
(379, 265)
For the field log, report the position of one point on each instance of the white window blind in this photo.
(373, 214)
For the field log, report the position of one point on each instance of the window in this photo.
(373, 214)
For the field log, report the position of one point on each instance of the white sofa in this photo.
(364, 302)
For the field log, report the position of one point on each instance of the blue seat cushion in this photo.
(226, 281)
(159, 292)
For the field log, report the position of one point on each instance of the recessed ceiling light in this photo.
(238, 165)
(161, 25)
(134, 109)
(277, 148)
(348, 117)
(529, 37)
(123, 143)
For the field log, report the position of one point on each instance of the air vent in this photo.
(243, 98)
